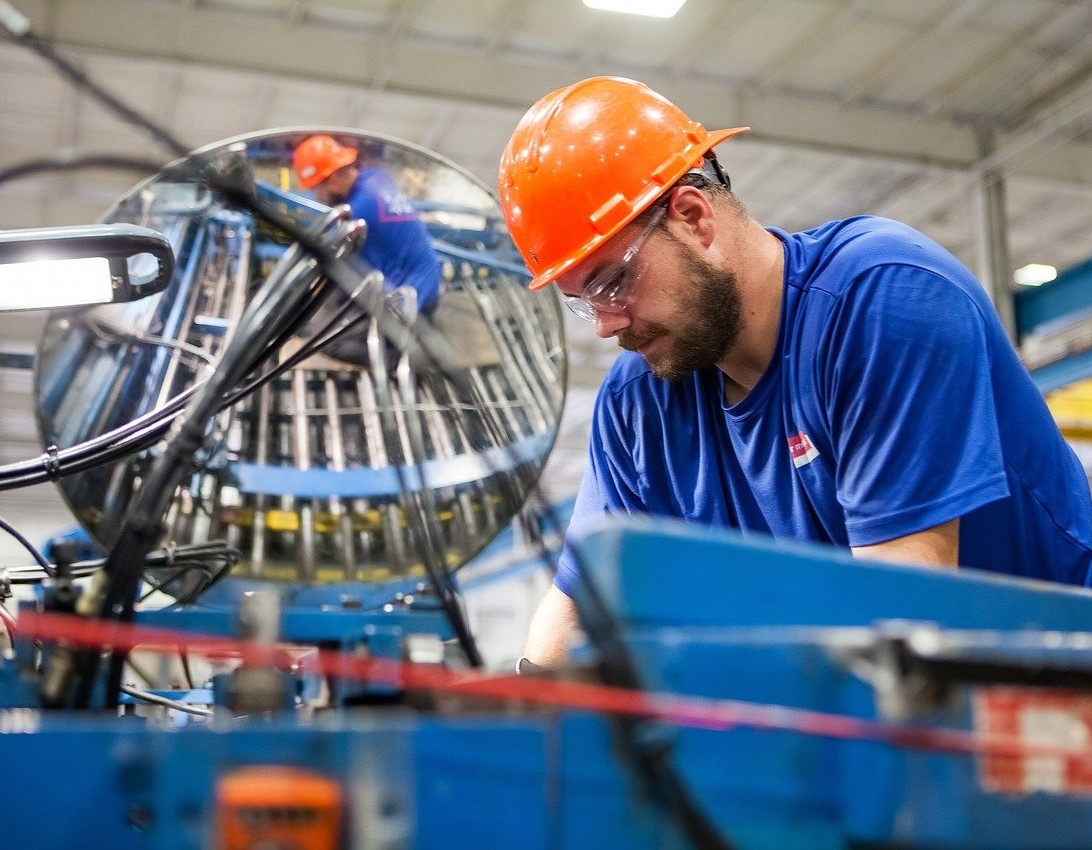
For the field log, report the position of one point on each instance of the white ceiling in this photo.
(884, 106)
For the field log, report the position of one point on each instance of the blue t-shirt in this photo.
(894, 402)
(397, 243)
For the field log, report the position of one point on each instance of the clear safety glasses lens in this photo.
(610, 290)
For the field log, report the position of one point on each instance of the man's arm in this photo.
(891, 383)
(555, 620)
(934, 547)
(552, 627)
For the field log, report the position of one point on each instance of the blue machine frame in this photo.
(729, 619)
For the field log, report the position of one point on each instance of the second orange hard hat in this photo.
(585, 161)
(317, 157)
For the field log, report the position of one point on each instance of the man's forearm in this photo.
(552, 628)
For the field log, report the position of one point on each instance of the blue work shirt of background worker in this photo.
(397, 242)
(894, 402)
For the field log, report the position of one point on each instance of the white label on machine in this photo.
(1042, 741)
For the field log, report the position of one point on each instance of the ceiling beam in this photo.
(498, 77)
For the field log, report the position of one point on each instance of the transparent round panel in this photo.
(346, 466)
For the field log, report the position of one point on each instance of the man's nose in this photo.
(608, 324)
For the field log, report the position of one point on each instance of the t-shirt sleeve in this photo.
(364, 204)
(609, 484)
(911, 404)
(397, 242)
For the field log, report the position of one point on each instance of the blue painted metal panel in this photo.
(658, 572)
(1069, 293)
(388, 480)
(1062, 373)
(482, 783)
(141, 787)
(691, 642)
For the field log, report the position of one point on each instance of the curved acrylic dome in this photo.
(322, 475)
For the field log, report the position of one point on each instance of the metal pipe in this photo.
(302, 457)
(336, 453)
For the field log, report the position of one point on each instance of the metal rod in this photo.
(302, 455)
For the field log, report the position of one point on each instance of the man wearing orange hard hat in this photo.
(849, 385)
(396, 242)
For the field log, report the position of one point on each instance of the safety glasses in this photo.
(611, 290)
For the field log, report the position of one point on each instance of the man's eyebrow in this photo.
(599, 268)
(588, 278)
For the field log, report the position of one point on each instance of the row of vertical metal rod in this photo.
(402, 417)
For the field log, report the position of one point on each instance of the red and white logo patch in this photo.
(801, 449)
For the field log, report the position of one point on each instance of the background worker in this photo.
(849, 384)
(397, 243)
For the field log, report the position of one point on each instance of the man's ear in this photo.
(691, 214)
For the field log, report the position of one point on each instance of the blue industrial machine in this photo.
(261, 642)
(801, 699)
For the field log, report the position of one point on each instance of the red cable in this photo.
(676, 709)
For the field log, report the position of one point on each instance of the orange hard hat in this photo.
(317, 157)
(585, 161)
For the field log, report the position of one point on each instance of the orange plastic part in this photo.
(271, 806)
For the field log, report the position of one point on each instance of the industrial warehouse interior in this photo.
(774, 674)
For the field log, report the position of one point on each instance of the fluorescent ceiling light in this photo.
(44, 284)
(1034, 274)
(649, 8)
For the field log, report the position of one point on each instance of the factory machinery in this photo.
(261, 642)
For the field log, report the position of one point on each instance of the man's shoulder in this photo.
(835, 256)
(373, 174)
(870, 240)
(846, 231)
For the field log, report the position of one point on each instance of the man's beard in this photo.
(708, 319)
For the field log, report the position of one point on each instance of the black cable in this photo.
(19, 26)
(30, 547)
(182, 570)
(213, 549)
(36, 575)
(651, 755)
(76, 162)
(282, 295)
(133, 436)
(216, 558)
(184, 658)
(315, 343)
(211, 574)
(148, 429)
